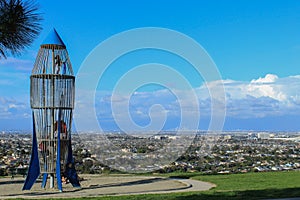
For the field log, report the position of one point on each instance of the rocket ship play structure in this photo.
(52, 93)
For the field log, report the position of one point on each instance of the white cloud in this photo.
(11, 108)
(269, 78)
(18, 64)
(267, 86)
(15, 75)
(265, 96)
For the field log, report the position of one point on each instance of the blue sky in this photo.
(254, 44)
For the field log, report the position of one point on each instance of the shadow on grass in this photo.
(239, 195)
(212, 195)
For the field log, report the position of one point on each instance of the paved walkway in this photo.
(97, 185)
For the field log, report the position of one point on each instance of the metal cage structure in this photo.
(52, 94)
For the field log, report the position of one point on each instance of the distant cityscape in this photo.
(210, 153)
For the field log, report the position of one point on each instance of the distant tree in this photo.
(19, 25)
(236, 147)
(87, 165)
(290, 151)
(3, 172)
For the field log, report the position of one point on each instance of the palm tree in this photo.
(19, 25)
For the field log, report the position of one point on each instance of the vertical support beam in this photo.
(44, 131)
(52, 121)
(58, 175)
(45, 176)
(53, 61)
(51, 181)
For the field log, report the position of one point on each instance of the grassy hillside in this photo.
(234, 186)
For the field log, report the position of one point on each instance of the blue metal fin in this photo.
(70, 168)
(34, 165)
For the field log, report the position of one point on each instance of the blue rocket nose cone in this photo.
(53, 38)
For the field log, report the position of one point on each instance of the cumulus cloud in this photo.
(266, 96)
(269, 78)
(11, 108)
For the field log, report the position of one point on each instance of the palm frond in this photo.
(19, 25)
(2, 53)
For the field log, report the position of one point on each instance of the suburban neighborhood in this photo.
(210, 153)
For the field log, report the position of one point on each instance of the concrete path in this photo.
(97, 185)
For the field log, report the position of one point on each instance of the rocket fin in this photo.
(70, 168)
(34, 165)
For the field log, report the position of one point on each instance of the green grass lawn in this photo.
(254, 185)
(234, 186)
(254, 181)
